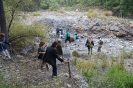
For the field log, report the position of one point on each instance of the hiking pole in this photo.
(69, 71)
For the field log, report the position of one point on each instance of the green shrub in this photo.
(118, 78)
(88, 75)
(45, 4)
(22, 35)
(54, 7)
(75, 53)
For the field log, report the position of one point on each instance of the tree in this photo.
(2, 19)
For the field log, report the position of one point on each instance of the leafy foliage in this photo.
(22, 35)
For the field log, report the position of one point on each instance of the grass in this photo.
(9, 84)
(125, 54)
(36, 13)
(102, 71)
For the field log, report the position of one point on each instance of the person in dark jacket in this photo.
(89, 43)
(50, 57)
(3, 48)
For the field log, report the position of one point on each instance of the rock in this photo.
(103, 28)
(116, 28)
(129, 37)
(36, 40)
(1, 66)
(20, 56)
(77, 77)
(69, 86)
(131, 25)
(26, 50)
(112, 28)
(66, 74)
(120, 34)
(23, 52)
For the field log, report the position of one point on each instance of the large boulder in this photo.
(78, 28)
(120, 34)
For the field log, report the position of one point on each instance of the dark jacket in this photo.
(51, 55)
(3, 45)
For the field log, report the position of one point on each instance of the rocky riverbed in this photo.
(77, 22)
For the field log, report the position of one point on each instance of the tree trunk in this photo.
(2, 19)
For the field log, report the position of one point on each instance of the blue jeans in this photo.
(54, 70)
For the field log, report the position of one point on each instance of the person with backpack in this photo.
(68, 37)
(41, 50)
(100, 43)
(3, 48)
(89, 44)
(50, 57)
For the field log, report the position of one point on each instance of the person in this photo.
(41, 50)
(89, 43)
(67, 37)
(100, 43)
(50, 57)
(3, 48)
(57, 32)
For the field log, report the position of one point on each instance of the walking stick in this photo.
(69, 69)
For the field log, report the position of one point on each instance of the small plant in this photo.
(88, 75)
(125, 55)
(61, 10)
(104, 63)
(75, 60)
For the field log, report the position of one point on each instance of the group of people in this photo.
(49, 55)
(89, 44)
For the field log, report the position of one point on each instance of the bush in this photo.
(54, 6)
(92, 13)
(44, 4)
(75, 53)
(108, 13)
(22, 35)
(118, 78)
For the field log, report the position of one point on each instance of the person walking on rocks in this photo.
(41, 50)
(100, 43)
(68, 37)
(50, 57)
(3, 48)
(89, 44)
